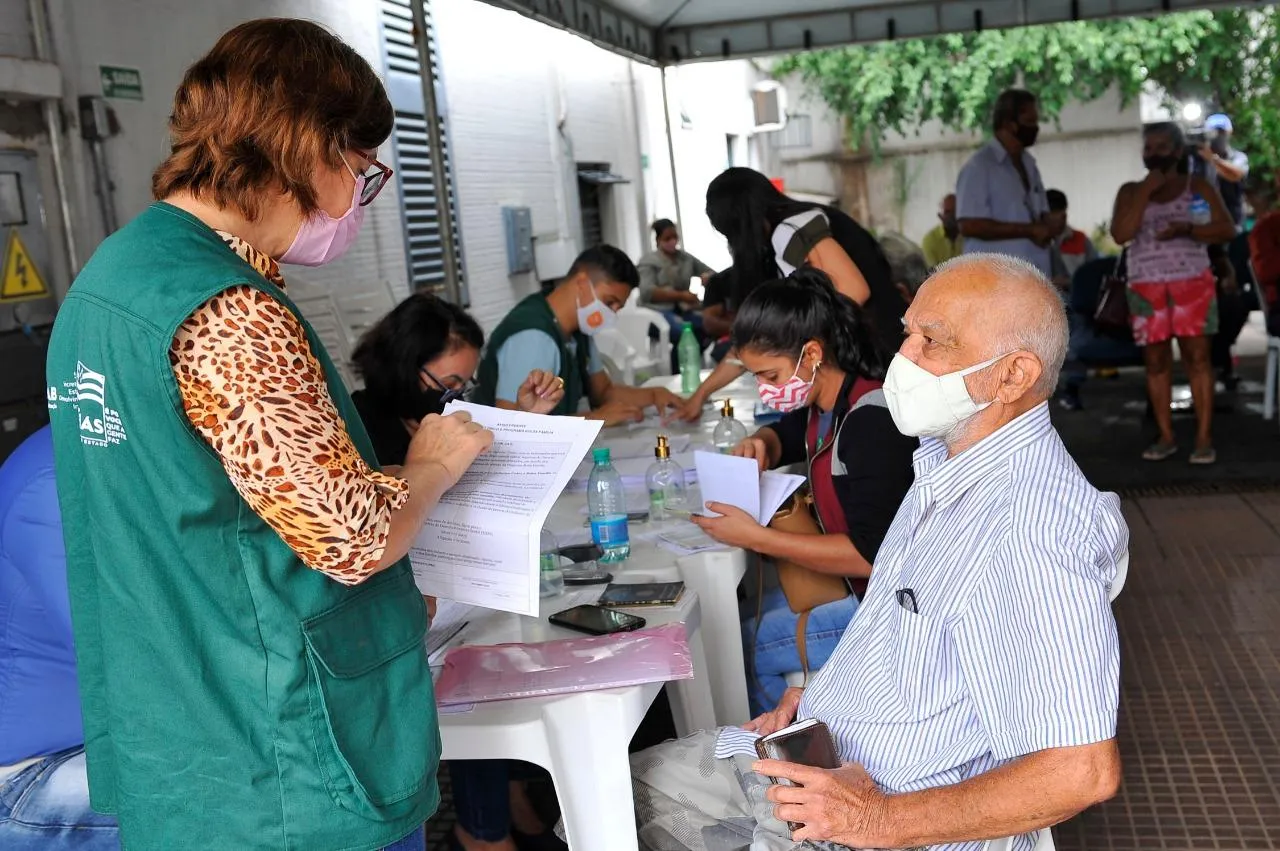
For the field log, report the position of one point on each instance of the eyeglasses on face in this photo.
(376, 177)
(454, 386)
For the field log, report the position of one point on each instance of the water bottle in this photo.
(1199, 211)
(690, 360)
(665, 481)
(550, 577)
(728, 432)
(607, 508)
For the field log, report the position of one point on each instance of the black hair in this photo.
(1057, 200)
(661, 226)
(1169, 129)
(417, 331)
(1009, 106)
(606, 264)
(780, 316)
(745, 207)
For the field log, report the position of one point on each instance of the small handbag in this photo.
(1111, 314)
(804, 589)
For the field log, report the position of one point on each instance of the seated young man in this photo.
(44, 789)
(553, 332)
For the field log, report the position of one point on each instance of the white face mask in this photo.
(594, 316)
(926, 405)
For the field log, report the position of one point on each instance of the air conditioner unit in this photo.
(769, 103)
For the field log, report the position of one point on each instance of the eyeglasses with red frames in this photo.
(375, 177)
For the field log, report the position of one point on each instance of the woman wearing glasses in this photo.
(235, 557)
(418, 358)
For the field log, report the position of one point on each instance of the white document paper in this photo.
(739, 482)
(480, 544)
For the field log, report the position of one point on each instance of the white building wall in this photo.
(162, 38)
(526, 104)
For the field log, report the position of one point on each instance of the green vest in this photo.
(534, 314)
(233, 698)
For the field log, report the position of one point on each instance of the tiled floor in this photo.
(1200, 684)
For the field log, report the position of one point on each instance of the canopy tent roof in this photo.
(672, 31)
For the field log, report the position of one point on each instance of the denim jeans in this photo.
(45, 807)
(776, 654)
(416, 841)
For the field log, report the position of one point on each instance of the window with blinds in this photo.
(412, 147)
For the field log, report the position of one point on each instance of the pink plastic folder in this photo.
(476, 674)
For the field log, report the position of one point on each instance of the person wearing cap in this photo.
(1227, 167)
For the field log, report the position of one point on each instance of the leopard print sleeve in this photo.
(253, 389)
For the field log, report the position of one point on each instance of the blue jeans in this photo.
(482, 794)
(45, 807)
(776, 654)
(416, 841)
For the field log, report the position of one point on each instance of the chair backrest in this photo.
(1122, 573)
(618, 352)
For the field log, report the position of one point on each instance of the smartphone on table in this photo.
(597, 620)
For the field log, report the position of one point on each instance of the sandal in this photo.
(1204, 456)
(1159, 451)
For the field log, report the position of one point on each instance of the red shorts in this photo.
(1159, 311)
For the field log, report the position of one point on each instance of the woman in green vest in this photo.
(248, 632)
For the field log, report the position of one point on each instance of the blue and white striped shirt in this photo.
(1010, 554)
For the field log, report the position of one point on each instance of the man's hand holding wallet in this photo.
(816, 796)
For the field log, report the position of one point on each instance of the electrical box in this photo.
(517, 223)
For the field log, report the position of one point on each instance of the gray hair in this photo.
(1040, 328)
(907, 264)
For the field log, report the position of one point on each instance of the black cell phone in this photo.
(597, 620)
(575, 576)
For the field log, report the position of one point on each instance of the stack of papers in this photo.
(480, 544)
(632, 471)
(739, 482)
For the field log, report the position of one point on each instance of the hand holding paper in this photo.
(737, 481)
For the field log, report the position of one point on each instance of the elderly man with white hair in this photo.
(974, 695)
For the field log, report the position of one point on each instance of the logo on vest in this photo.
(99, 425)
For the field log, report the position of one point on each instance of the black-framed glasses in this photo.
(453, 386)
(376, 177)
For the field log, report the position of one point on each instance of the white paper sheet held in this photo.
(739, 482)
(480, 544)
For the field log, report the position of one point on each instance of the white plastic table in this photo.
(582, 738)
(715, 576)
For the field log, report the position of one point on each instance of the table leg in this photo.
(692, 706)
(715, 576)
(588, 749)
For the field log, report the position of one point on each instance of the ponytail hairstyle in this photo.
(781, 316)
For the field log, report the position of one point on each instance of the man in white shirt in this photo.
(1000, 197)
(975, 694)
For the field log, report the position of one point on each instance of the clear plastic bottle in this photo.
(607, 508)
(690, 356)
(550, 577)
(729, 432)
(665, 480)
(1199, 210)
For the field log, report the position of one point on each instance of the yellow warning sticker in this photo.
(21, 280)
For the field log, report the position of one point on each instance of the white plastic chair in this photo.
(618, 355)
(634, 323)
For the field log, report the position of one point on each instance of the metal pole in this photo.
(53, 122)
(104, 186)
(435, 140)
(641, 206)
(671, 150)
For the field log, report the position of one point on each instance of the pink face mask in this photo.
(790, 395)
(322, 238)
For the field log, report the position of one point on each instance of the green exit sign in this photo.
(123, 83)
